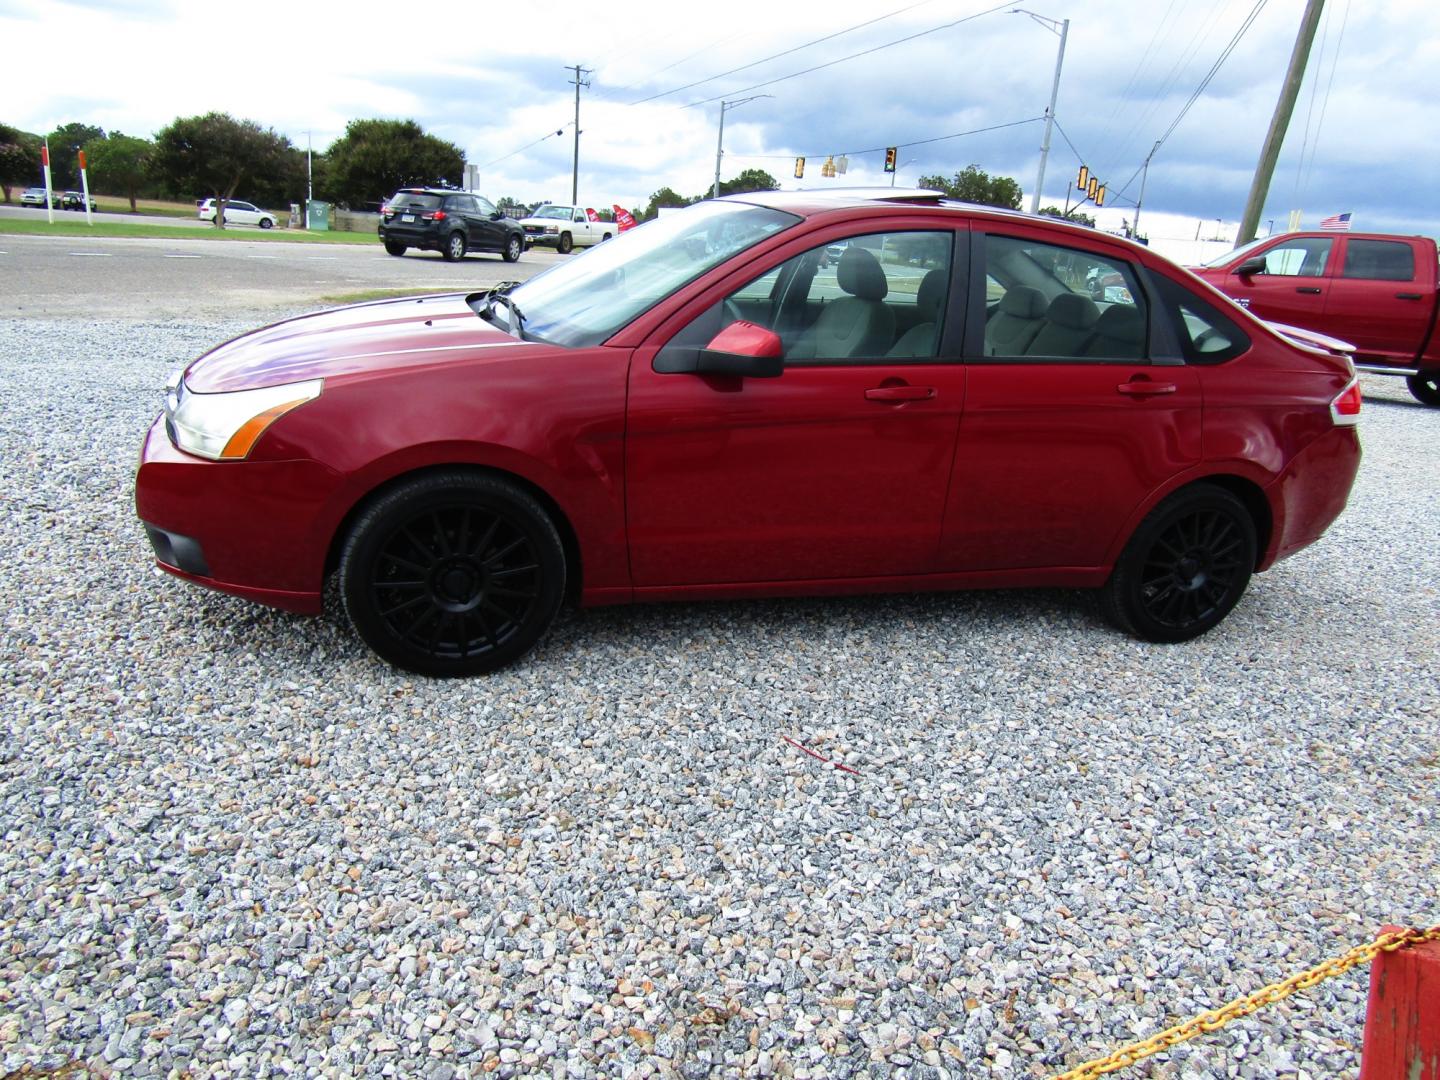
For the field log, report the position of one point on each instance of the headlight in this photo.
(223, 427)
(552, 229)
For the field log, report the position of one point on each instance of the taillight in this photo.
(438, 215)
(1345, 409)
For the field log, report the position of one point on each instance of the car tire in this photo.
(454, 249)
(566, 244)
(454, 573)
(1426, 388)
(513, 247)
(605, 237)
(1185, 568)
(266, 223)
(395, 249)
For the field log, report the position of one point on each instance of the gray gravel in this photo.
(237, 845)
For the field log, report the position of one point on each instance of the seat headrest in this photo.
(860, 275)
(1023, 302)
(930, 295)
(1121, 322)
(1073, 310)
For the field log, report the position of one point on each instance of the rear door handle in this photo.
(1407, 296)
(1146, 388)
(900, 393)
(1308, 289)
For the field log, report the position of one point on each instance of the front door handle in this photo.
(1143, 387)
(1308, 289)
(900, 393)
(1407, 296)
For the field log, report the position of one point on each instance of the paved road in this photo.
(48, 276)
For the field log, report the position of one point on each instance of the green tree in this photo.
(19, 159)
(975, 185)
(665, 197)
(1074, 215)
(213, 154)
(507, 205)
(119, 165)
(374, 158)
(749, 180)
(64, 161)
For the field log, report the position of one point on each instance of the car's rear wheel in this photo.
(266, 223)
(1185, 568)
(1426, 388)
(453, 574)
(567, 242)
(513, 247)
(455, 247)
(394, 248)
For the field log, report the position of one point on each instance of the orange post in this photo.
(1402, 1020)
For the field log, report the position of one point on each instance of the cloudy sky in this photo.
(493, 80)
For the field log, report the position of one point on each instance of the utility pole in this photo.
(1063, 30)
(1260, 186)
(1144, 175)
(580, 80)
(720, 145)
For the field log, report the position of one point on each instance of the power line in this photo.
(882, 149)
(852, 56)
(537, 142)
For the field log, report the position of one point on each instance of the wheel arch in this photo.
(1248, 490)
(574, 568)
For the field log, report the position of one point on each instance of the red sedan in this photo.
(710, 406)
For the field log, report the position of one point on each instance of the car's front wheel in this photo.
(1184, 569)
(266, 223)
(455, 247)
(453, 573)
(513, 247)
(394, 248)
(566, 244)
(1426, 388)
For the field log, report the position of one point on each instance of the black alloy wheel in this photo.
(567, 242)
(1426, 388)
(1185, 568)
(513, 247)
(394, 247)
(453, 574)
(454, 246)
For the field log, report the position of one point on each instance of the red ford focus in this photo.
(717, 405)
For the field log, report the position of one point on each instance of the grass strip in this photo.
(108, 229)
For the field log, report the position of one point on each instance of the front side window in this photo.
(1379, 260)
(1301, 257)
(1044, 301)
(881, 296)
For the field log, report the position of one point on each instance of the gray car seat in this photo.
(922, 339)
(1119, 334)
(1015, 322)
(1068, 327)
(856, 325)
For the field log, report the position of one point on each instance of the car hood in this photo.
(349, 341)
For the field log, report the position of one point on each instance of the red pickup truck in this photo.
(1375, 291)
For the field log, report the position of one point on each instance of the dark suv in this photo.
(450, 222)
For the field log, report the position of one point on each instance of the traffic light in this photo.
(1092, 187)
(1100, 196)
(891, 153)
(828, 169)
(1083, 180)
(799, 167)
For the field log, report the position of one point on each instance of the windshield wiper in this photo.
(498, 294)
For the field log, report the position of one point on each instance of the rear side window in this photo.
(415, 201)
(1379, 260)
(1206, 335)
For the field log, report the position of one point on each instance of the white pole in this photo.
(719, 150)
(309, 179)
(85, 189)
(45, 162)
(1049, 117)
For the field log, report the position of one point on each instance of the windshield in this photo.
(562, 212)
(585, 300)
(1220, 260)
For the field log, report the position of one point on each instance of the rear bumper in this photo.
(1312, 491)
(248, 528)
(425, 239)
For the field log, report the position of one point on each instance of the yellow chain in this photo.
(1266, 995)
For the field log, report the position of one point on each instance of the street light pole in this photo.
(1144, 175)
(899, 167)
(1061, 29)
(720, 144)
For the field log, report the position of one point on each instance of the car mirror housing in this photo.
(744, 349)
(1253, 265)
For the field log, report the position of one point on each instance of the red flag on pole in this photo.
(591, 215)
(623, 217)
(45, 156)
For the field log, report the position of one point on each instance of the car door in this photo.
(1292, 287)
(1072, 416)
(835, 470)
(1380, 300)
(489, 232)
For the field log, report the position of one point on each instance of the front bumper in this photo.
(248, 528)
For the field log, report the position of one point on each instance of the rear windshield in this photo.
(415, 199)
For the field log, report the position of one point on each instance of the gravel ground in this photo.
(237, 845)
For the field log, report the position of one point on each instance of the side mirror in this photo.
(1253, 265)
(743, 349)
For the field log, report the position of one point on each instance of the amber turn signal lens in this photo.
(241, 442)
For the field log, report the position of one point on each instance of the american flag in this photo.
(1336, 223)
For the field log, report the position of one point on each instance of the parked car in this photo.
(1374, 290)
(450, 222)
(238, 213)
(566, 227)
(35, 196)
(647, 424)
(75, 200)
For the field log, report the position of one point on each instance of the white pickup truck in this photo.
(566, 227)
